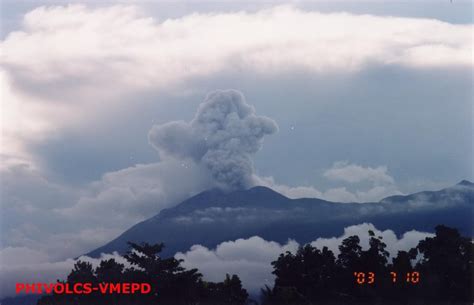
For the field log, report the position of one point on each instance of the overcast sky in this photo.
(353, 101)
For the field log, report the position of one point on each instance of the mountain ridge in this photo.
(215, 215)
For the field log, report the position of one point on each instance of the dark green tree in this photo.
(312, 276)
(303, 277)
(348, 262)
(109, 271)
(171, 284)
(229, 291)
(350, 253)
(399, 289)
(447, 265)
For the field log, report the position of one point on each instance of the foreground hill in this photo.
(214, 216)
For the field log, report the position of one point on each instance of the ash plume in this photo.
(223, 135)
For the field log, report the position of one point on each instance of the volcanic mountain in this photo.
(215, 216)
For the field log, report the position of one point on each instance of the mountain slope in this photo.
(214, 216)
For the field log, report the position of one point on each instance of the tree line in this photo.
(443, 273)
(438, 271)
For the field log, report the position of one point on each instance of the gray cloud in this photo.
(135, 193)
(222, 136)
(34, 207)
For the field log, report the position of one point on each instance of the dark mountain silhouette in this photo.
(214, 216)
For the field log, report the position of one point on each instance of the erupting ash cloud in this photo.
(222, 136)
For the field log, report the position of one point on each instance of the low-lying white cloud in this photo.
(251, 258)
(408, 240)
(354, 173)
(380, 184)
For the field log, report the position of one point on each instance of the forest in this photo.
(437, 271)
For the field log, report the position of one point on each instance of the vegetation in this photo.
(170, 283)
(439, 271)
(313, 276)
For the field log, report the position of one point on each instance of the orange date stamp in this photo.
(368, 278)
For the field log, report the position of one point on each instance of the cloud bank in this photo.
(407, 241)
(33, 207)
(380, 184)
(251, 258)
(65, 58)
(353, 173)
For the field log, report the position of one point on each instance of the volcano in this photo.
(215, 216)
